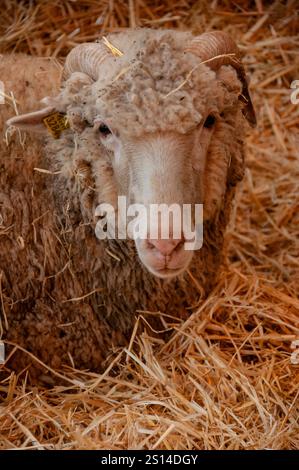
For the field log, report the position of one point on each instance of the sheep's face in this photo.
(155, 169)
(171, 168)
(173, 151)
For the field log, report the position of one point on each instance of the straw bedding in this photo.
(227, 378)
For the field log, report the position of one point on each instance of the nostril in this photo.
(165, 247)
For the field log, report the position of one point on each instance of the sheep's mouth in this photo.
(164, 266)
(167, 273)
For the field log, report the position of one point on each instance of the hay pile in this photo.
(227, 378)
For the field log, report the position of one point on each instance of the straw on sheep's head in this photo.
(215, 49)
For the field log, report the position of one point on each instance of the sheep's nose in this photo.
(164, 247)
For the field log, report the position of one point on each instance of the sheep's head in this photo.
(161, 124)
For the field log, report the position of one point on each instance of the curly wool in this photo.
(162, 88)
(160, 91)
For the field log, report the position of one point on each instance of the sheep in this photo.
(155, 115)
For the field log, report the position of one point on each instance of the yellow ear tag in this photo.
(56, 123)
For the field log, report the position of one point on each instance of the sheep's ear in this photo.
(227, 75)
(42, 121)
(32, 122)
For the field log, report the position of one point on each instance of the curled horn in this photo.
(208, 47)
(86, 58)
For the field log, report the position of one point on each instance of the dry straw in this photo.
(224, 379)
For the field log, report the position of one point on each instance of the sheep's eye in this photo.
(104, 130)
(209, 122)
